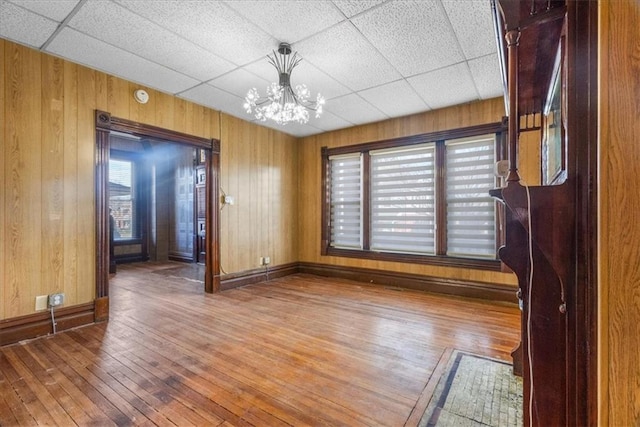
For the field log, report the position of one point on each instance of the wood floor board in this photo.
(295, 351)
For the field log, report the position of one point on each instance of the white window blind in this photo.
(470, 210)
(403, 200)
(346, 201)
(121, 199)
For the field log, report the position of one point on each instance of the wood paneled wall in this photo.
(619, 234)
(47, 146)
(309, 184)
(259, 169)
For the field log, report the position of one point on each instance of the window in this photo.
(403, 200)
(418, 199)
(122, 199)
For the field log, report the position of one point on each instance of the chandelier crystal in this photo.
(283, 104)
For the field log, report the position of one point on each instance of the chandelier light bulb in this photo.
(282, 103)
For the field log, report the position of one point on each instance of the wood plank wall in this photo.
(47, 145)
(309, 184)
(259, 169)
(619, 235)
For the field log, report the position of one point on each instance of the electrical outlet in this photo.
(261, 261)
(56, 300)
(41, 302)
(266, 260)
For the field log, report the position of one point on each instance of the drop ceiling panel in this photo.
(23, 26)
(415, 36)
(289, 21)
(487, 81)
(473, 25)
(395, 99)
(330, 121)
(353, 7)
(239, 81)
(101, 56)
(445, 87)
(354, 109)
(295, 129)
(122, 28)
(53, 9)
(217, 99)
(211, 25)
(343, 53)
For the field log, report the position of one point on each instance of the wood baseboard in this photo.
(439, 285)
(249, 277)
(38, 324)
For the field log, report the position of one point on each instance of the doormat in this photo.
(475, 391)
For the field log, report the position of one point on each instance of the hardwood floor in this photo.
(299, 350)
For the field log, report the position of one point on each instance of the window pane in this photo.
(403, 200)
(470, 210)
(121, 199)
(346, 208)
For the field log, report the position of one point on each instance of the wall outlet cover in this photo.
(56, 300)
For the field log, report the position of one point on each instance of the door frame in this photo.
(105, 123)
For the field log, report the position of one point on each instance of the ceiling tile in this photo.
(118, 26)
(354, 109)
(211, 25)
(473, 25)
(238, 82)
(353, 7)
(294, 129)
(24, 27)
(328, 121)
(415, 36)
(289, 21)
(345, 55)
(53, 9)
(96, 54)
(217, 99)
(486, 75)
(395, 99)
(445, 87)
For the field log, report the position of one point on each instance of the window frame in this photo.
(440, 258)
(140, 203)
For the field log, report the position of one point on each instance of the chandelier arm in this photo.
(283, 103)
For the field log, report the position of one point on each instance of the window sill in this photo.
(437, 260)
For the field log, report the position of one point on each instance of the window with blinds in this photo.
(346, 201)
(418, 199)
(471, 212)
(403, 200)
(121, 199)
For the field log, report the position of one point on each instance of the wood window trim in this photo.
(440, 258)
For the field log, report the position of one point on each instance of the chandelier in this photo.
(283, 104)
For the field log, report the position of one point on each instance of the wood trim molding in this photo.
(38, 324)
(104, 124)
(457, 287)
(257, 275)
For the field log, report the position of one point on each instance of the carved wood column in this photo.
(513, 37)
(103, 127)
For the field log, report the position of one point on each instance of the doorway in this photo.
(206, 157)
